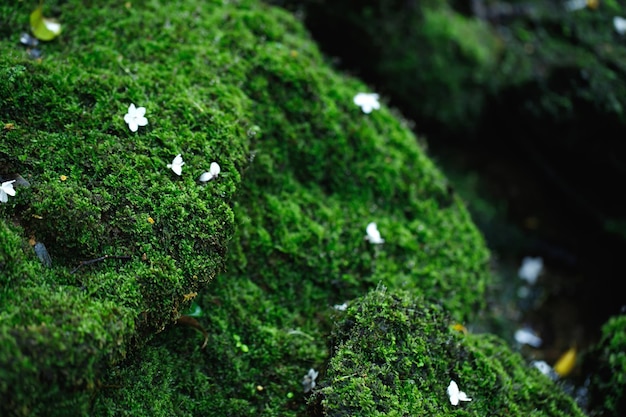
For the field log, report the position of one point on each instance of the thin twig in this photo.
(102, 258)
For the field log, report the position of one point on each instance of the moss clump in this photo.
(608, 360)
(437, 65)
(94, 186)
(303, 172)
(395, 354)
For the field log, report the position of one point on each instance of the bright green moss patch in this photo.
(94, 186)
(395, 355)
(282, 227)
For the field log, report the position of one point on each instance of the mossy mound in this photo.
(608, 363)
(303, 172)
(395, 355)
(434, 63)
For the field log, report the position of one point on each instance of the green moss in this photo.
(608, 358)
(395, 354)
(303, 172)
(436, 64)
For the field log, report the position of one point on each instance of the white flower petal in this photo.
(206, 176)
(341, 307)
(141, 121)
(619, 23)
(4, 198)
(463, 396)
(132, 125)
(528, 337)
(530, 269)
(373, 235)
(455, 394)
(177, 164)
(215, 169)
(178, 160)
(7, 187)
(367, 101)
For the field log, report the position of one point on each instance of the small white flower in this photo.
(341, 307)
(135, 117)
(213, 172)
(373, 235)
(308, 382)
(545, 369)
(526, 336)
(455, 394)
(367, 102)
(53, 26)
(530, 269)
(619, 23)
(6, 190)
(177, 165)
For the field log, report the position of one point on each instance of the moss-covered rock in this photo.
(436, 64)
(607, 363)
(265, 249)
(395, 355)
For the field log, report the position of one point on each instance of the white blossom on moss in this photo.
(527, 336)
(135, 117)
(177, 165)
(545, 369)
(373, 235)
(455, 394)
(308, 382)
(213, 172)
(367, 102)
(341, 307)
(530, 269)
(619, 23)
(6, 190)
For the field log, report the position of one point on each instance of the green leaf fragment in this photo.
(43, 28)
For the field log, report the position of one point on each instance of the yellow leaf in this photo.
(566, 362)
(43, 28)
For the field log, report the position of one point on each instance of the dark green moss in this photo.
(608, 360)
(303, 172)
(394, 354)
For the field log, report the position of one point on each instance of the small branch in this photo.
(194, 324)
(102, 258)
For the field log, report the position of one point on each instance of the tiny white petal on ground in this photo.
(213, 172)
(6, 190)
(367, 102)
(455, 394)
(373, 235)
(530, 269)
(308, 382)
(341, 307)
(619, 23)
(526, 336)
(177, 165)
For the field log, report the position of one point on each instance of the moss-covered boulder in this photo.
(436, 64)
(394, 355)
(264, 250)
(607, 364)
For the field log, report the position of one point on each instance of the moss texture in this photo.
(394, 355)
(434, 63)
(608, 359)
(264, 250)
